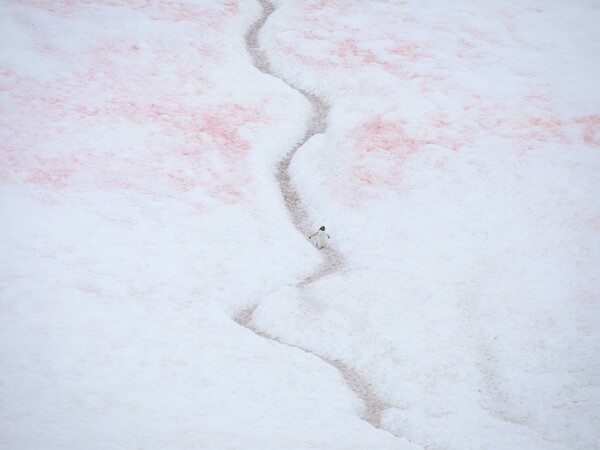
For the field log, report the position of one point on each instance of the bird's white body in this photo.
(322, 240)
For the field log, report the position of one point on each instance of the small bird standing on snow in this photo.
(322, 240)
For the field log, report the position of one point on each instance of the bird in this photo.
(322, 236)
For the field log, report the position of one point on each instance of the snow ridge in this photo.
(333, 260)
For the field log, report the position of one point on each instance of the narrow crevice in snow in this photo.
(333, 260)
(373, 405)
(495, 401)
(317, 123)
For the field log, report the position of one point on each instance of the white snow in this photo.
(140, 213)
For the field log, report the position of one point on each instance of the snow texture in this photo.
(163, 163)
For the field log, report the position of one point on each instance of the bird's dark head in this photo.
(322, 228)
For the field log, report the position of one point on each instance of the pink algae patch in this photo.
(380, 135)
(312, 36)
(55, 172)
(382, 147)
(553, 129)
(545, 130)
(319, 5)
(346, 54)
(222, 124)
(478, 35)
(202, 133)
(440, 120)
(168, 10)
(410, 51)
(351, 54)
(591, 129)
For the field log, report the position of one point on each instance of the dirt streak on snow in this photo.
(333, 260)
(374, 406)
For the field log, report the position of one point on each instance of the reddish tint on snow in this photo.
(426, 82)
(319, 5)
(553, 129)
(441, 120)
(311, 35)
(55, 171)
(318, 63)
(381, 148)
(591, 129)
(352, 55)
(543, 130)
(222, 123)
(172, 11)
(413, 52)
(60, 107)
(478, 35)
(518, 122)
(380, 135)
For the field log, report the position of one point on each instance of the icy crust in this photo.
(457, 177)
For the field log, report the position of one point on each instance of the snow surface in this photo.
(458, 177)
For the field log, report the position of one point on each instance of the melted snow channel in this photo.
(332, 259)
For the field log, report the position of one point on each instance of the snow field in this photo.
(466, 211)
(140, 214)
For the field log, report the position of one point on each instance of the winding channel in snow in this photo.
(332, 259)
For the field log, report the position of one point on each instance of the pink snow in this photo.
(164, 10)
